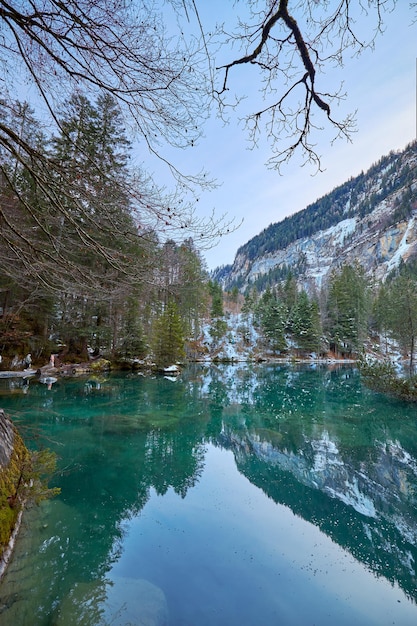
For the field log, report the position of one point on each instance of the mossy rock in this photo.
(100, 365)
(21, 478)
(12, 476)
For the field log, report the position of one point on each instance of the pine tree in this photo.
(249, 303)
(398, 312)
(305, 323)
(348, 307)
(272, 314)
(216, 293)
(91, 153)
(25, 245)
(181, 275)
(168, 336)
(289, 291)
(379, 312)
(218, 325)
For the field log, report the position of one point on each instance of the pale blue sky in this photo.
(381, 86)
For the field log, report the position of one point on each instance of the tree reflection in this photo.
(338, 455)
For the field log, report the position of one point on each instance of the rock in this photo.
(7, 434)
(100, 365)
(172, 370)
(13, 457)
(120, 602)
(48, 380)
(75, 368)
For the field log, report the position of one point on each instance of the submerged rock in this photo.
(120, 602)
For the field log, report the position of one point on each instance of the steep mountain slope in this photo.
(371, 219)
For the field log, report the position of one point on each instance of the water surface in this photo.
(231, 496)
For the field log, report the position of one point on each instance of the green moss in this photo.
(100, 365)
(11, 479)
(23, 479)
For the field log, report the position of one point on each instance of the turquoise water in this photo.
(231, 496)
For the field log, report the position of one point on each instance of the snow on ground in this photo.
(239, 342)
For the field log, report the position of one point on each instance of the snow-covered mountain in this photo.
(371, 219)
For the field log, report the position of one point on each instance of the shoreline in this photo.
(9, 549)
(74, 369)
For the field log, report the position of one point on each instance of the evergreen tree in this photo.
(305, 323)
(92, 153)
(168, 336)
(216, 293)
(194, 300)
(249, 303)
(272, 314)
(233, 297)
(182, 276)
(26, 219)
(348, 307)
(379, 312)
(289, 291)
(26, 306)
(397, 308)
(133, 342)
(218, 324)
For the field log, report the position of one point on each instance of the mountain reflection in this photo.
(338, 455)
(349, 468)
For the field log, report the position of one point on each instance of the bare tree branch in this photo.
(119, 48)
(290, 43)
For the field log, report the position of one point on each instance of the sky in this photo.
(381, 88)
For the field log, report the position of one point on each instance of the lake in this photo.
(231, 496)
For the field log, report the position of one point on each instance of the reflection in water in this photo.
(314, 453)
(133, 472)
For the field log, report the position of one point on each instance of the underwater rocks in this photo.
(118, 602)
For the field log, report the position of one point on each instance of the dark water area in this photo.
(233, 495)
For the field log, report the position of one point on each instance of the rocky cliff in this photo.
(370, 219)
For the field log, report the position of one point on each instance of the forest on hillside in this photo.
(136, 297)
(357, 197)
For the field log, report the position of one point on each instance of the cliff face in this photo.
(377, 249)
(373, 221)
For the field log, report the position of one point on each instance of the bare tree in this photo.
(162, 85)
(291, 45)
(116, 46)
(121, 49)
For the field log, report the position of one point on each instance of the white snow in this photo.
(354, 498)
(402, 249)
